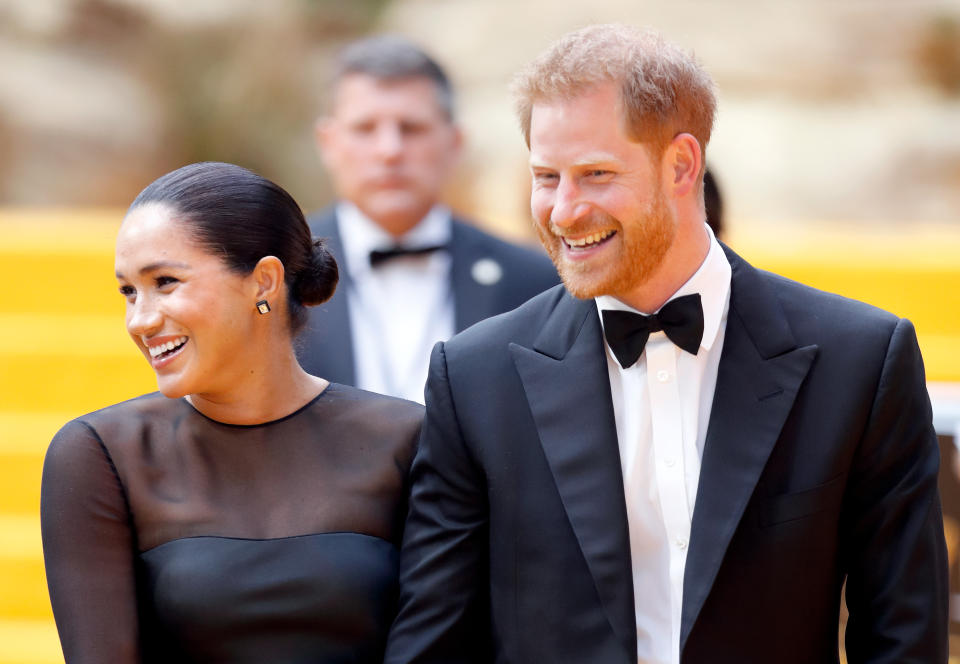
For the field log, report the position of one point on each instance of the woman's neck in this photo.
(277, 387)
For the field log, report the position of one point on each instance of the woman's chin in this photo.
(171, 390)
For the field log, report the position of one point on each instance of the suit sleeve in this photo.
(444, 596)
(88, 550)
(897, 586)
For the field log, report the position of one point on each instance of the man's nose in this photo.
(389, 141)
(568, 205)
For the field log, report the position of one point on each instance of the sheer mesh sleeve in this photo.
(88, 548)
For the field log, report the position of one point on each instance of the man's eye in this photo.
(412, 128)
(597, 173)
(362, 128)
(545, 177)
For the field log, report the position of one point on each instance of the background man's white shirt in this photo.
(401, 308)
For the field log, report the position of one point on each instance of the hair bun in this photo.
(316, 283)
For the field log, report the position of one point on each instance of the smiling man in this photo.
(411, 273)
(674, 457)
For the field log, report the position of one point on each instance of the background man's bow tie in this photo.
(378, 256)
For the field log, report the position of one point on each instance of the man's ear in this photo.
(323, 137)
(682, 161)
(458, 140)
(268, 276)
(455, 148)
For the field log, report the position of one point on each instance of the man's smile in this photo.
(588, 241)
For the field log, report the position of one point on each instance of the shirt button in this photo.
(663, 375)
(681, 543)
(670, 463)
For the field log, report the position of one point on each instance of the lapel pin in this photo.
(486, 272)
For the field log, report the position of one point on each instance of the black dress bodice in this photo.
(172, 537)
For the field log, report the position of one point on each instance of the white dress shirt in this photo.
(399, 309)
(662, 406)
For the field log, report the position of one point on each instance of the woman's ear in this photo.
(268, 276)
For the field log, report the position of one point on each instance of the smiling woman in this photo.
(248, 511)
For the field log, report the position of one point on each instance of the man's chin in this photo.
(396, 213)
(581, 287)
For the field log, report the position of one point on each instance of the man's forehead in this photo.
(590, 158)
(419, 91)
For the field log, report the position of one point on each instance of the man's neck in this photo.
(686, 255)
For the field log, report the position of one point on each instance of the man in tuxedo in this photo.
(411, 274)
(675, 457)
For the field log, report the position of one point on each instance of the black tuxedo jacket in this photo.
(820, 465)
(325, 348)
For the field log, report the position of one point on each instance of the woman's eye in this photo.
(128, 291)
(165, 281)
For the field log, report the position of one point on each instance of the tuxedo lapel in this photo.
(473, 300)
(327, 350)
(761, 370)
(567, 387)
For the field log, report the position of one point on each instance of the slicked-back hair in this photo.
(241, 217)
(663, 90)
(393, 58)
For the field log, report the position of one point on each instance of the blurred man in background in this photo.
(411, 273)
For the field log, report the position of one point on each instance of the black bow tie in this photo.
(680, 319)
(378, 256)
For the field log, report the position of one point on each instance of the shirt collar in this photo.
(360, 234)
(711, 280)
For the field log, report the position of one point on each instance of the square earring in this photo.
(263, 307)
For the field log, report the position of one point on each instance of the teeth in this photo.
(589, 239)
(160, 349)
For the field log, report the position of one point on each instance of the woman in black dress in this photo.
(248, 512)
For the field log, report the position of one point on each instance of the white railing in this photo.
(945, 398)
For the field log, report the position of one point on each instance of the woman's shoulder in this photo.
(111, 422)
(84, 444)
(355, 403)
(143, 407)
(381, 420)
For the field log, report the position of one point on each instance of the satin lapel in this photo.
(566, 384)
(326, 346)
(761, 370)
(472, 300)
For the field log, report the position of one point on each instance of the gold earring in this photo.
(263, 307)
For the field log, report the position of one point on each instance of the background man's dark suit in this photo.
(820, 461)
(326, 346)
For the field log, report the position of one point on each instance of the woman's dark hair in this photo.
(713, 203)
(242, 217)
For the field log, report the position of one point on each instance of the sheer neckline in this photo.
(261, 424)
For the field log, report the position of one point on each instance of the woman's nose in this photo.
(143, 317)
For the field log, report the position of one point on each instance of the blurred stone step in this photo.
(23, 443)
(29, 642)
(67, 257)
(61, 282)
(70, 363)
(22, 577)
(68, 383)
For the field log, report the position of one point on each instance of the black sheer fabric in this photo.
(171, 537)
